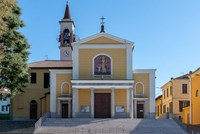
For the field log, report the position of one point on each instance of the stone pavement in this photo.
(17, 127)
(109, 126)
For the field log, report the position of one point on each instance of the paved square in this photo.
(109, 126)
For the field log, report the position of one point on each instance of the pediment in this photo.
(104, 38)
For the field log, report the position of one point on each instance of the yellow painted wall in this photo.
(102, 40)
(118, 59)
(60, 79)
(166, 100)
(21, 103)
(185, 115)
(39, 79)
(176, 95)
(195, 111)
(42, 106)
(139, 88)
(144, 78)
(120, 98)
(159, 106)
(47, 103)
(84, 98)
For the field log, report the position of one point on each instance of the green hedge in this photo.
(4, 116)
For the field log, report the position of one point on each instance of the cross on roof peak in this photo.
(102, 20)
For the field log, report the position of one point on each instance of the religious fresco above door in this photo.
(102, 65)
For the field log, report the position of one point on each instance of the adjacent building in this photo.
(159, 107)
(175, 96)
(94, 78)
(191, 114)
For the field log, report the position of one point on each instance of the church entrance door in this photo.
(102, 105)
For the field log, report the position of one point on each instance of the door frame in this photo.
(64, 101)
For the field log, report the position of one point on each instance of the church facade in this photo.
(94, 78)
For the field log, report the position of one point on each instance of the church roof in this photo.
(67, 13)
(51, 64)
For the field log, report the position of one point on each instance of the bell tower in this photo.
(66, 35)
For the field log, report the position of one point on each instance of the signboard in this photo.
(85, 109)
(119, 109)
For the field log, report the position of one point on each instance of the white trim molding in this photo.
(53, 73)
(151, 73)
(102, 34)
(129, 62)
(102, 84)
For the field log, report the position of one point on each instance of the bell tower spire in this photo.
(67, 12)
(67, 35)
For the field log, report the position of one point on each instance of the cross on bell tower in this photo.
(102, 24)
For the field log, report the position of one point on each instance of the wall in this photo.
(21, 103)
(60, 80)
(159, 106)
(185, 115)
(84, 98)
(120, 98)
(195, 100)
(39, 79)
(178, 95)
(118, 60)
(166, 100)
(143, 78)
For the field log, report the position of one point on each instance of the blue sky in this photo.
(166, 32)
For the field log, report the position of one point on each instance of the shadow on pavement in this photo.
(19, 127)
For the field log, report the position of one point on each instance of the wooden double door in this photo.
(102, 105)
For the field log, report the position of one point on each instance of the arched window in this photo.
(65, 89)
(102, 65)
(197, 93)
(139, 88)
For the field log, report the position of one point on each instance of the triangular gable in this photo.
(104, 38)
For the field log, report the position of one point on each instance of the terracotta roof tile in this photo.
(51, 64)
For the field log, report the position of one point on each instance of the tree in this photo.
(14, 49)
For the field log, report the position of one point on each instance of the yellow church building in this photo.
(94, 78)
